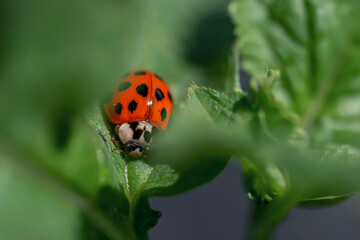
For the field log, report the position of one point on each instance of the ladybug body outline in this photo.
(141, 104)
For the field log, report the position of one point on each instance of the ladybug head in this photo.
(135, 136)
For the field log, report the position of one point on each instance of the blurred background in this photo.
(60, 58)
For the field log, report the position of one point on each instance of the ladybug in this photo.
(141, 104)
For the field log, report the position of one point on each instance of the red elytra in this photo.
(140, 96)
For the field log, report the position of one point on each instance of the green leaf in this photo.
(138, 179)
(312, 43)
(307, 43)
(217, 105)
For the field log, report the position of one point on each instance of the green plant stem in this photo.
(274, 16)
(311, 45)
(266, 217)
(54, 183)
(236, 55)
(317, 103)
(328, 83)
(131, 205)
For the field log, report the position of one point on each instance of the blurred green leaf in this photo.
(191, 143)
(302, 57)
(43, 182)
(42, 215)
(309, 42)
(58, 59)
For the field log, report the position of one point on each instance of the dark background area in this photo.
(221, 209)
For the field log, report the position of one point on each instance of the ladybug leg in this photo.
(115, 139)
(118, 149)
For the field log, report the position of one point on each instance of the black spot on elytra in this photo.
(159, 94)
(118, 108)
(140, 73)
(160, 78)
(163, 114)
(142, 90)
(133, 125)
(137, 134)
(170, 97)
(147, 136)
(123, 86)
(132, 106)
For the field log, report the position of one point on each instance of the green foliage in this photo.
(59, 59)
(313, 47)
(296, 132)
(138, 180)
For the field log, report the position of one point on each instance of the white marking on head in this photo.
(135, 153)
(136, 136)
